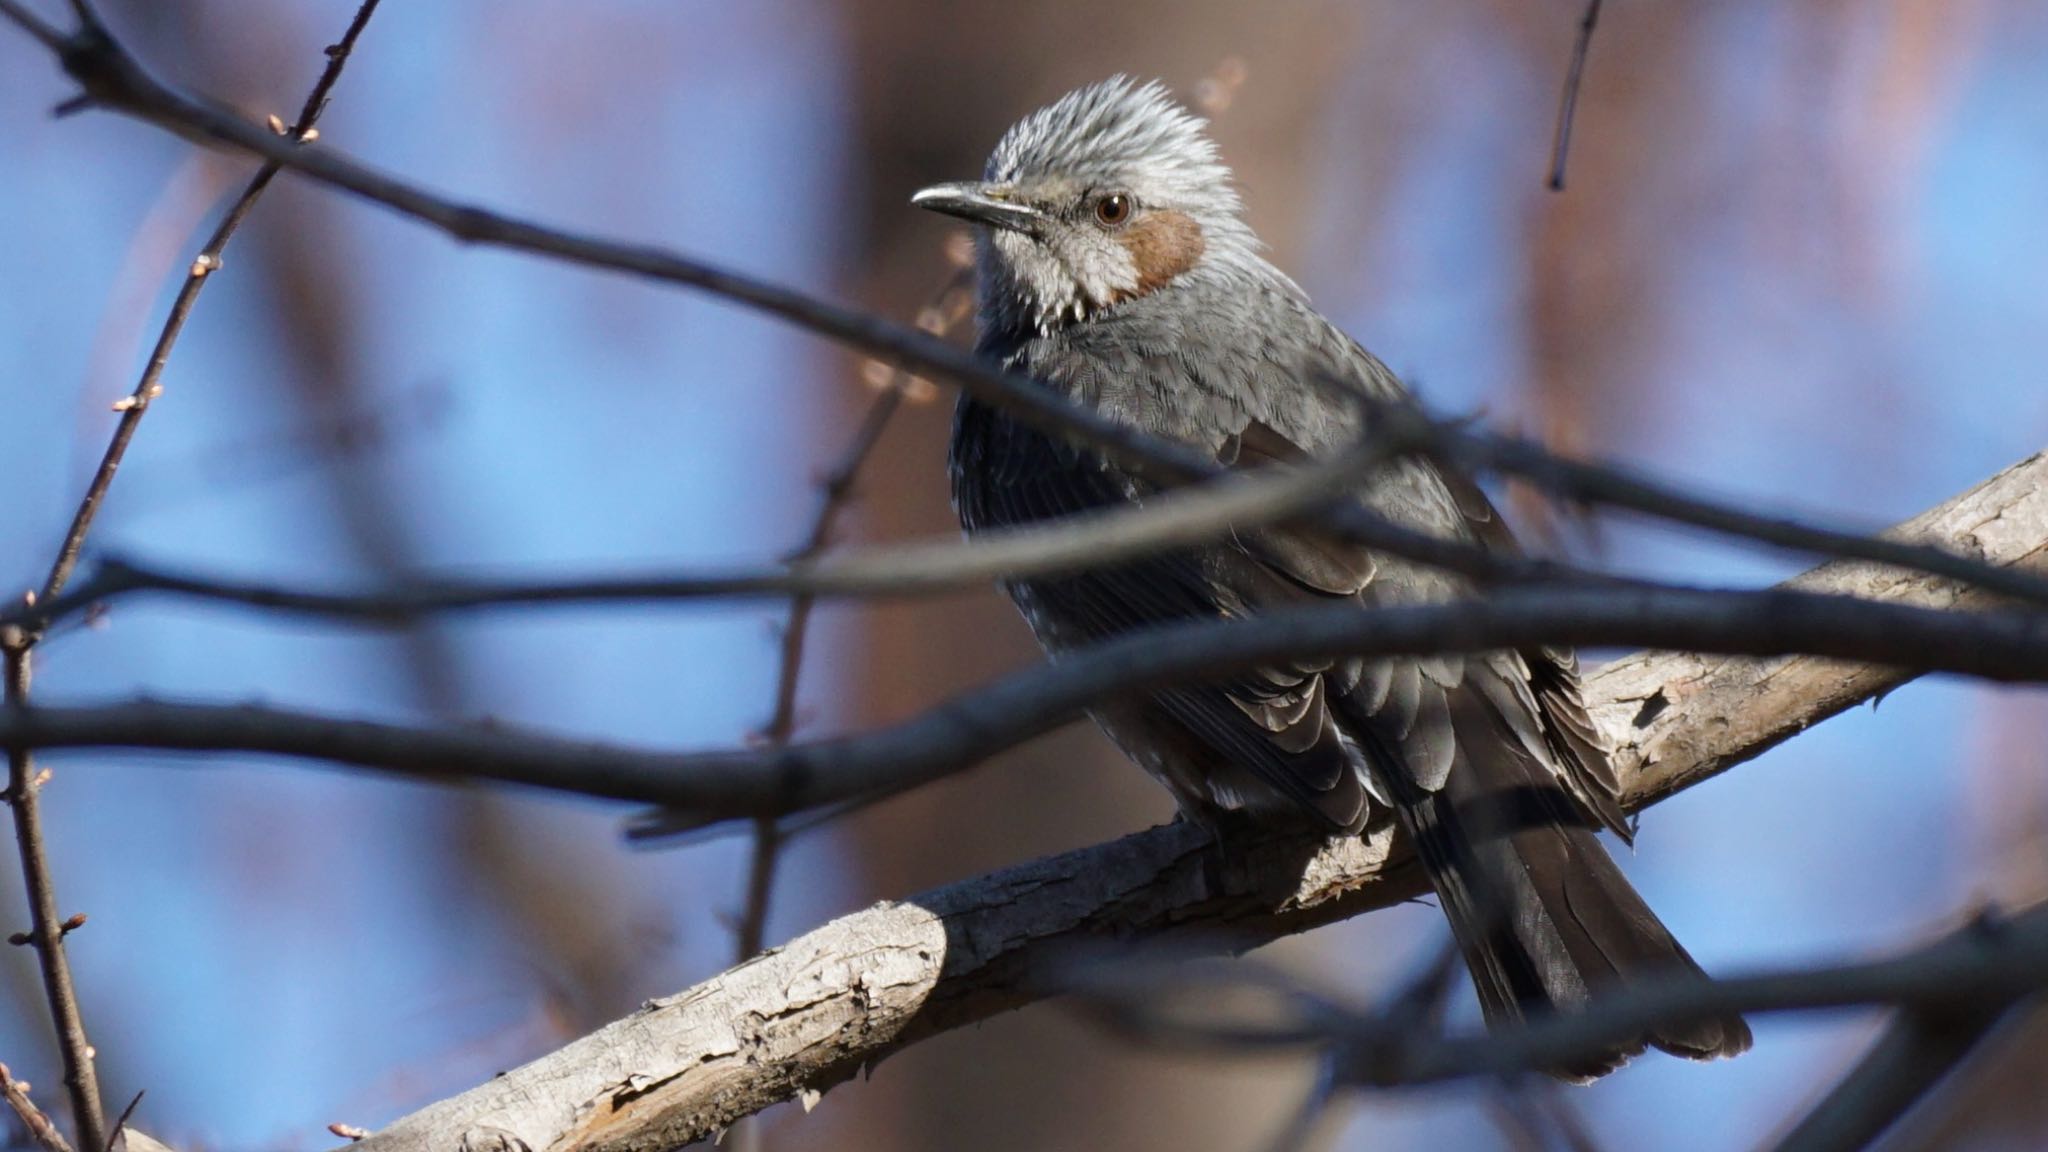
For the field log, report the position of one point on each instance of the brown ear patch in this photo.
(1162, 246)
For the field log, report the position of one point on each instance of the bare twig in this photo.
(835, 493)
(757, 781)
(1406, 427)
(1565, 1117)
(149, 387)
(1173, 519)
(837, 489)
(1195, 515)
(121, 1122)
(1533, 1116)
(112, 79)
(19, 638)
(1568, 103)
(34, 25)
(1521, 1130)
(82, 12)
(32, 1118)
(1982, 965)
(46, 921)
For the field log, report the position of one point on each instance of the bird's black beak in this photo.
(989, 204)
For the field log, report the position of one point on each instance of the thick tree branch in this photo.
(1649, 702)
(814, 1012)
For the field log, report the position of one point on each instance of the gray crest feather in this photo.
(1113, 132)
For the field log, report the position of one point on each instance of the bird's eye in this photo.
(1113, 209)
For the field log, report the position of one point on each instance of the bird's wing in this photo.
(1257, 402)
(1272, 727)
(1534, 692)
(1578, 750)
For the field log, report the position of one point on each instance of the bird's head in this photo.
(1106, 195)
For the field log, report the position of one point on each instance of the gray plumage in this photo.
(1116, 266)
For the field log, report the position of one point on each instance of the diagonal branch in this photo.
(813, 1013)
(113, 79)
(48, 36)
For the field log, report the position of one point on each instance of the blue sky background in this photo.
(273, 948)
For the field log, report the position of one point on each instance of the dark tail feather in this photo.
(1544, 917)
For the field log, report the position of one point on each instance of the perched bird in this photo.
(1115, 266)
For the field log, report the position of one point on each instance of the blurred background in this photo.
(1802, 260)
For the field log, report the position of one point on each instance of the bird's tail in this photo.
(1545, 919)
